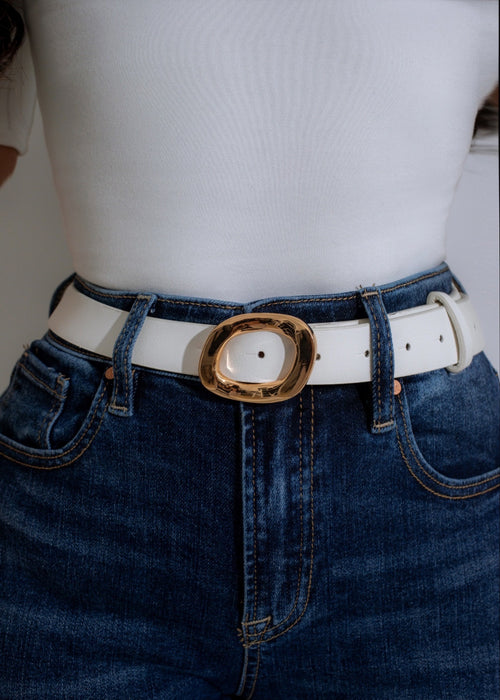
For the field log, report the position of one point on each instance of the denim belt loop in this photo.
(382, 361)
(123, 388)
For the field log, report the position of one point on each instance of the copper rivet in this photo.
(397, 387)
(109, 374)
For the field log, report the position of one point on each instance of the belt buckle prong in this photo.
(290, 327)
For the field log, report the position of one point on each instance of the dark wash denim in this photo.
(157, 541)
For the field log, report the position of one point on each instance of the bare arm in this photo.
(492, 98)
(8, 160)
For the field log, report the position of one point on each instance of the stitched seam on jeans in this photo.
(274, 303)
(147, 300)
(125, 362)
(432, 478)
(39, 381)
(347, 298)
(161, 301)
(56, 402)
(252, 623)
(69, 450)
(257, 669)
(391, 366)
(66, 464)
(436, 493)
(267, 620)
(312, 536)
(299, 578)
(383, 425)
(254, 514)
(245, 667)
(376, 423)
(448, 486)
(418, 279)
(285, 301)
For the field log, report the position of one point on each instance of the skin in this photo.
(493, 97)
(8, 160)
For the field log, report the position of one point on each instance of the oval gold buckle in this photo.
(261, 392)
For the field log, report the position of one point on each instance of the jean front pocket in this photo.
(448, 429)
(31, 405)
(52, 408)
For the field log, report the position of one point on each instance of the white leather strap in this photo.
(424, 338)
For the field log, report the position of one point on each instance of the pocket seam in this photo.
(443, 484)
(42, 383)
(46, 424)
(68, 451)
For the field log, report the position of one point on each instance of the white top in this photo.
(238, 149)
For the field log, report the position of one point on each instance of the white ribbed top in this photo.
(237, 149)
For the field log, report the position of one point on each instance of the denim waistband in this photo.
(321, 308)
(374, 303)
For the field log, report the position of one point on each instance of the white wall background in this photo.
(34, 258)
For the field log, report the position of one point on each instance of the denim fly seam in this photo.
(278, 517)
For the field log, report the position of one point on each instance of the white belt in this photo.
(443, 333)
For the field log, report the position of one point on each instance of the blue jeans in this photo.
(157, 541)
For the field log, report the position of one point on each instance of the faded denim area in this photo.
(195, 547)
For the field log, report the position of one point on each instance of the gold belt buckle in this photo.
(258, 392)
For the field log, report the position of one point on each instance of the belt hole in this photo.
(441, 339)
(261, 353)
(367, 352)
(318, 356)
(408, 346)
